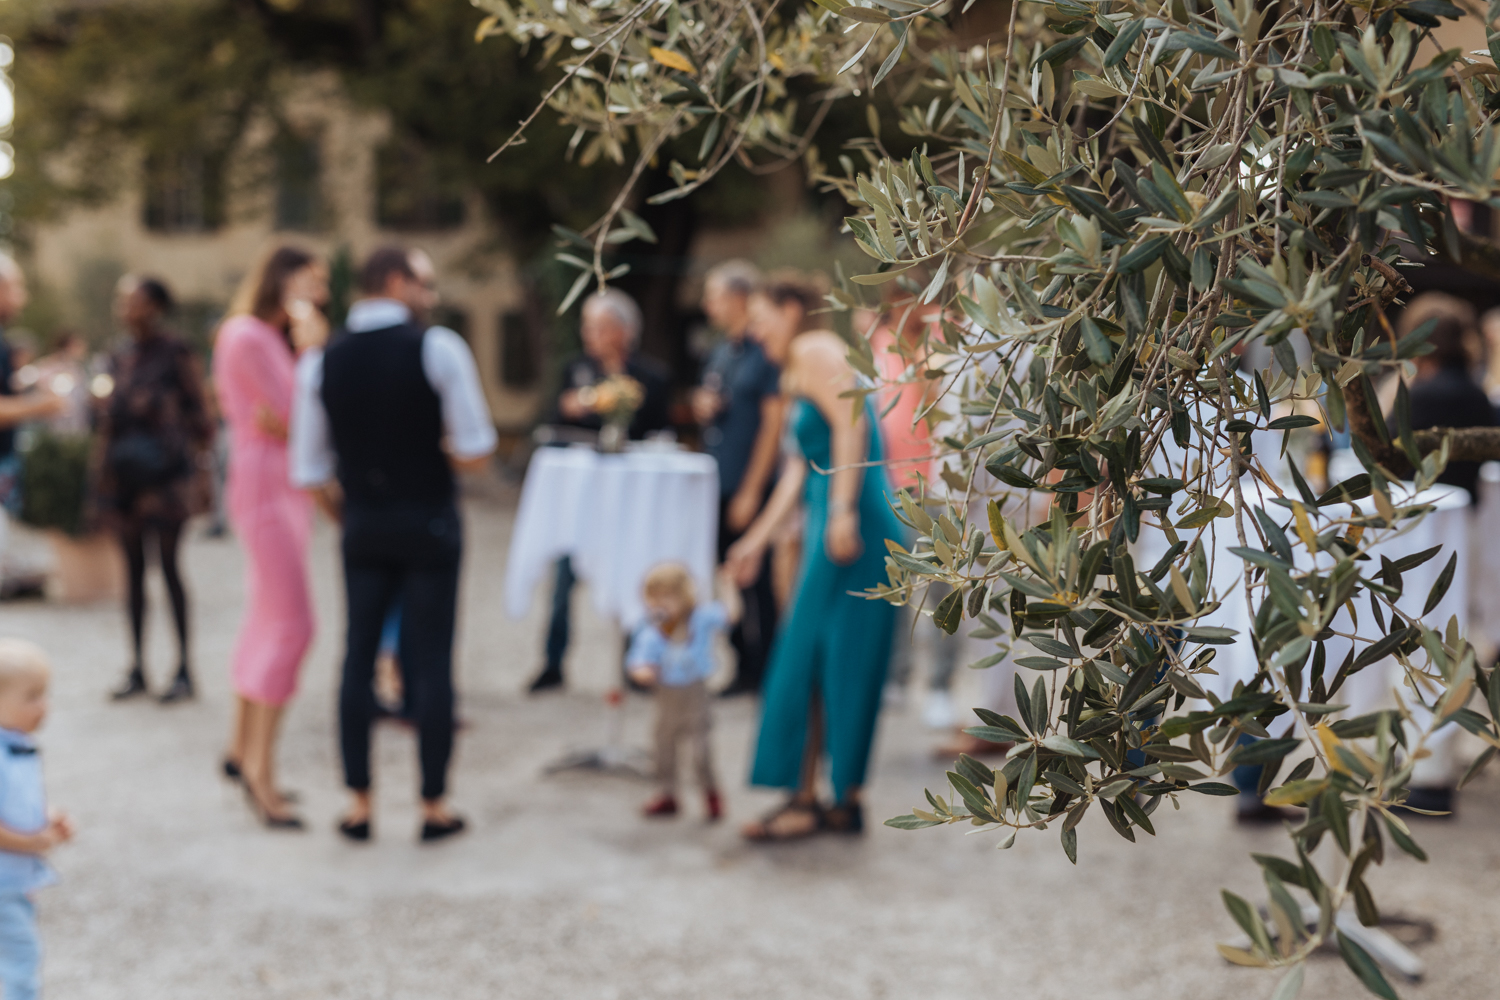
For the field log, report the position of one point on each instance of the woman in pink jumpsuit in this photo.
(255, 377)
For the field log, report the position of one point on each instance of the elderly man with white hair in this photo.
(610, 332)
(14, 409)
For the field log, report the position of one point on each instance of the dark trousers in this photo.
(407, 556)
(558, 625)
(751, 636)
(1246, 777)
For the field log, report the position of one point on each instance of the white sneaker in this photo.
(938, 713)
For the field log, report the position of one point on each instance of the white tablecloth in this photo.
(1378, 685)
(1485, 566)
(616, 516)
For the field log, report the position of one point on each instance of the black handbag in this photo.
(142, 461)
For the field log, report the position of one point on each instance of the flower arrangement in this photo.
(615, 399)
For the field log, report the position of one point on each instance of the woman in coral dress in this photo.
(275, 314)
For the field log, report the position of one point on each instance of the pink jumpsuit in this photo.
(254, 368)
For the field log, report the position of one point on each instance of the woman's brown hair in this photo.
(260, 294)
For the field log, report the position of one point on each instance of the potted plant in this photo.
(54, 490)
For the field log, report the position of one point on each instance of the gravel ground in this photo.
(172, 891)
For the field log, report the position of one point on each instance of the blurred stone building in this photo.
(328, 178)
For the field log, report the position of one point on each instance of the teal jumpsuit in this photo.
(834, 642)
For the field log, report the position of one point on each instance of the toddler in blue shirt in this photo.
(27, 830)
(673, 651)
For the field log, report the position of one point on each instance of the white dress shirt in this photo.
(450, 370)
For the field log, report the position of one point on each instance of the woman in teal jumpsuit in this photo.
(828, 663)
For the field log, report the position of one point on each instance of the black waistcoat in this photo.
(386, 420)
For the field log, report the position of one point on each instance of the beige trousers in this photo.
(682, 714)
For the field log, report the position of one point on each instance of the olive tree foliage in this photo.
(1108, 201)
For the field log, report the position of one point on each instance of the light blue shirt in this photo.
(23, 809)
(678, 664)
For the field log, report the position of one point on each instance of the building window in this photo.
(518, 367)
(299, 201)
(453, 318)
(412, 191)
(183, 193)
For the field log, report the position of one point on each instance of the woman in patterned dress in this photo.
(155, 431)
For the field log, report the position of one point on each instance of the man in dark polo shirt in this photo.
(740, 407)
(390, 410)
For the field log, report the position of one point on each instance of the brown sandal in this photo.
(762, 830)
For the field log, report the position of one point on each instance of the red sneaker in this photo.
(664, 804)
(714, 806)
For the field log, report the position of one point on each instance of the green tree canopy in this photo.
(97, 79)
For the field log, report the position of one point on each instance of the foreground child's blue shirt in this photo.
(678, 664)
(23, 809)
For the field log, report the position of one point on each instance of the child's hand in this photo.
(644, 676)
(61, 826)
(742, 561)
(50, 836)
(728, 594)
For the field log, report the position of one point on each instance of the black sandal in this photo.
(846, 818)
(764, 834)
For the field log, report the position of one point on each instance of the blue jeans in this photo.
(20, 948)
(390, 632)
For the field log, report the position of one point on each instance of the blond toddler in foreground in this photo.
(673, 652)
(27, 830)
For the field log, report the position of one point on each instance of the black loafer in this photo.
(441, 831)
(547, 680)
(357, 832)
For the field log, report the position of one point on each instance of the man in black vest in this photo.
(391, 410)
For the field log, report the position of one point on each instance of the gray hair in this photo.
(738, 276)
(619, 305)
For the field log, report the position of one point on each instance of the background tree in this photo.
(1110, 200)
(170, 77)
